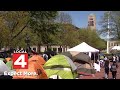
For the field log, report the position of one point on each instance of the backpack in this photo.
(45, 56)
(113, 68)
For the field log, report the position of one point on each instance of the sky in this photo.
(80, 18)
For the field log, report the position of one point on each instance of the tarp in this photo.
(83, 47)
(35, 64)
(60, 65)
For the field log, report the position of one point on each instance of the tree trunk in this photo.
(60, 48)
(47, 47)
(64, 48)
(39, 48)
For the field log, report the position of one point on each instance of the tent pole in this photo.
(98, 56)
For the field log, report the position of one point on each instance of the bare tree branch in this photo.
(20, 31)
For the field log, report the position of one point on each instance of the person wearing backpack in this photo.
(113, 69)
(45, 56)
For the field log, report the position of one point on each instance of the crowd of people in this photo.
(104, 62)
(108, 65)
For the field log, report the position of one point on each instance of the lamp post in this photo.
(108, 35)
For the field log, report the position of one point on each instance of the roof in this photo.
(83, 47)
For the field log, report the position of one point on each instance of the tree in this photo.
(114, 19)
(43, 25)
(91, 37)
(12, 23)
(64, 18)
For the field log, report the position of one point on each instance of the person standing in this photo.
(105, 58)
(113, 69)
(45, 56)
(117, 58)
(114, 58)
(107, 68)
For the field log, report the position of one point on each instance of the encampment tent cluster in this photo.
(67, 65)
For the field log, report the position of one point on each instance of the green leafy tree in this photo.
(92, 38)
(12, 23)
(43, 25)
(67, 36)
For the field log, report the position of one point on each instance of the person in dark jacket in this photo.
(107, 68)
(113, 69)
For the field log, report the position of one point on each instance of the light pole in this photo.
(108, 35)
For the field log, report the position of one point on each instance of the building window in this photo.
(91, 23)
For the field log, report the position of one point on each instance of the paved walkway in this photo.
(100, 75)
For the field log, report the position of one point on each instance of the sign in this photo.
(20, 60)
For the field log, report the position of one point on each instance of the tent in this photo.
(82, 62)
(9, 64)
(38, 58)
(84, 68)
(82, 57)
(50, 53)
(8, 59)
(116, 48)
(3, 67)
(78, 56)
(62, 66)
(2, 59)
(35, 64)
(83, 47)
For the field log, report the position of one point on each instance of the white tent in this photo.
(116, 48)
(83, 47)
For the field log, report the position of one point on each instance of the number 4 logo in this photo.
(20, 60)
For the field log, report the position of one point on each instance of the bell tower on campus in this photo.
(92, 22)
